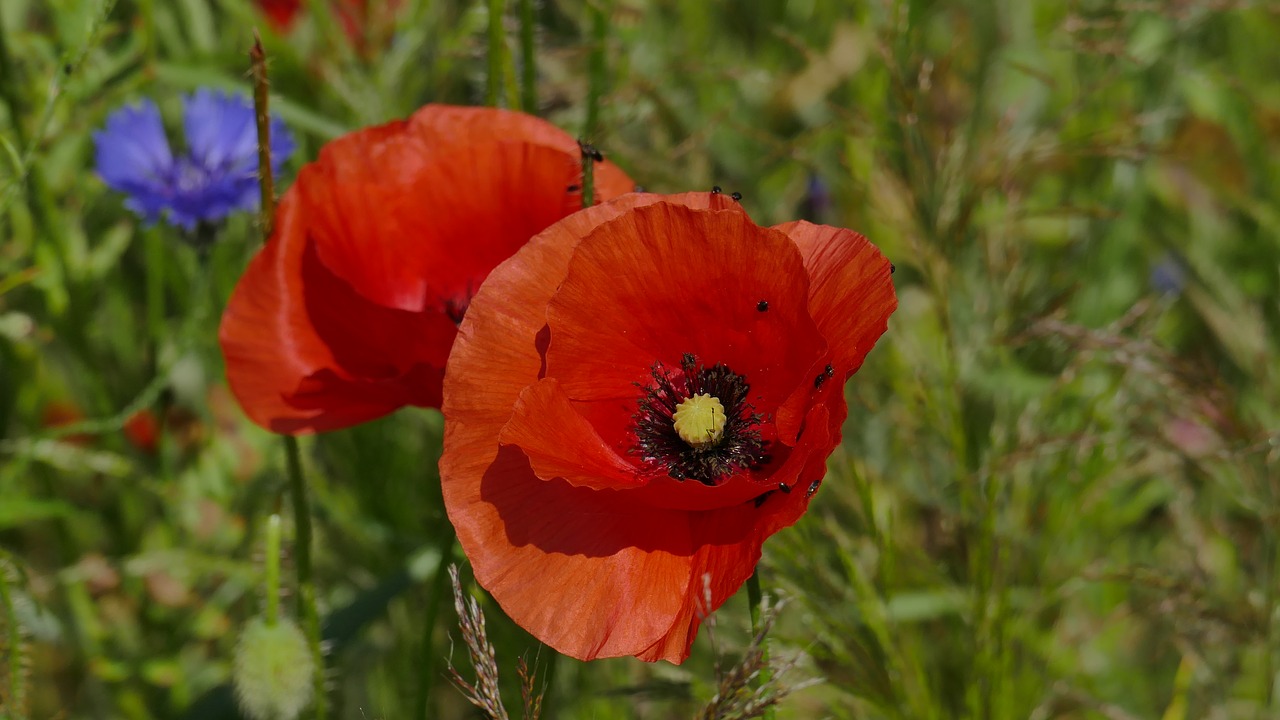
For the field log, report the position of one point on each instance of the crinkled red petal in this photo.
(304, 353)
(560, 443)
(851, 293)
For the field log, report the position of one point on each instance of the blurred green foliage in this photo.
(1057, 495)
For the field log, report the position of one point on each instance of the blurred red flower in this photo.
(141, 428)
(354, 15)
(60, 413)
(280, 12)
(638, 399)
(348, 312)
(143, 431)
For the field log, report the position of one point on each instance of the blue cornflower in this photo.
(218, 173)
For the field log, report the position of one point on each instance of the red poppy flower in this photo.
(638, 399)
(350, 309)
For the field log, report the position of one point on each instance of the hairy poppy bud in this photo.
(273, 670)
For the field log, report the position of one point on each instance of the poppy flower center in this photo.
(695, 423)
(699, 421)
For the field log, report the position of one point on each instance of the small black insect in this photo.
(813, 488)
(589, 151)
(737, 197)
(822, 376)
(715, 190)
(574, 188)
(762, 306)
(784, 488)
(892, 268)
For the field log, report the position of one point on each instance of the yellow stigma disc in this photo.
(699, 421)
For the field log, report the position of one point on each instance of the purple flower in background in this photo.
(216, 176)
(1168, 275)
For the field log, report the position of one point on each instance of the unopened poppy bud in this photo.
(699, 420)
(273, 670)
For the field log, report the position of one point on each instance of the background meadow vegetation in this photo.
(1057, 494)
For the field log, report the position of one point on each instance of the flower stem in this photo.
(273, 569)
(154, 244)
(302, 550)
(588, 174)
(757, 603)
(528, 68)
(497, 52)
(307, 611)
(595, 88)
(595, 68)
(261, 100)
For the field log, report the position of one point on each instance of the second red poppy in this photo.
(350, 309)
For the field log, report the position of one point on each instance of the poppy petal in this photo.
(668, 280)
(495, 178)
(851, 293)
(292, 332)
(560, 443)
(729, 542)
(496, 342)
(541, 534)
(524, 534)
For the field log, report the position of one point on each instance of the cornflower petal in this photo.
(132, 156)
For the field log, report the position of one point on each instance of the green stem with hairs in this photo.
(596, 71)
(528, 68)
(262, 115)
(273, 569)
(307, 611)
(497, 52)
(588, 176)
(306, 589)
(756, 599)
(595, 89)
